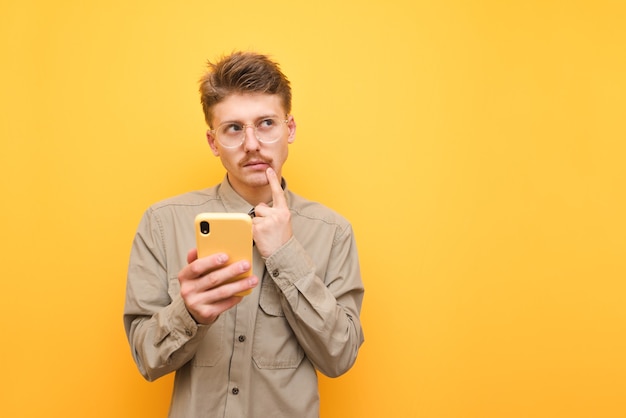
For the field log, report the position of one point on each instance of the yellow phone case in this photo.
(230, 233)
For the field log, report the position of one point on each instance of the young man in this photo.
(257, 355)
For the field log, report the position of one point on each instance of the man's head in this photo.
(246, 101)
(241, 73)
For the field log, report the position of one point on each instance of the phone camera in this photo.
(204, 227)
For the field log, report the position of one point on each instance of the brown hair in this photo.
(242, 72)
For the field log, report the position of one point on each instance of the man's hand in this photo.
(271, 227)
(204, 285)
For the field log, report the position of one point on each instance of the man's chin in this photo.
(258, 179)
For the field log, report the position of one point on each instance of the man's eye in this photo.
(266, 123)
(232, 128)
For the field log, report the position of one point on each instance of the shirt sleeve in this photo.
(162, 334)
(322, 311)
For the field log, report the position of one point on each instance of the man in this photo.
(256, 355)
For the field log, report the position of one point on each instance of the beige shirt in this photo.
(259, 359)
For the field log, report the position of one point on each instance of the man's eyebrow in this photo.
(258, 118)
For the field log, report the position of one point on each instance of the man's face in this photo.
(246, 164)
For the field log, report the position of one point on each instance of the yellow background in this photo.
(477, 147)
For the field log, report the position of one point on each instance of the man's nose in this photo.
(250, 140)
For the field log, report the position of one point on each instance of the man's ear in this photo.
(291, 125)
(211, 140)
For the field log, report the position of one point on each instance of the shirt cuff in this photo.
(289, 264)
(180, 323)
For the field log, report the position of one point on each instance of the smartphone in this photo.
(229, 233)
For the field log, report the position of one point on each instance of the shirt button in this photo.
(188, 332)
(242, 338)
(275, 273)
(235, 390)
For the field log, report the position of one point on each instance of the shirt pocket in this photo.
(275, 345)
(211, 348)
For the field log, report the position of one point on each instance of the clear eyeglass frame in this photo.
(239, 139)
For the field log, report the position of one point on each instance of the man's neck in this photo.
(257, 196)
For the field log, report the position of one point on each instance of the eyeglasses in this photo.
(232, 134)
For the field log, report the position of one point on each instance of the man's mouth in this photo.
(256, 164)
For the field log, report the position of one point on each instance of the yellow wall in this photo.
(478, 148)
